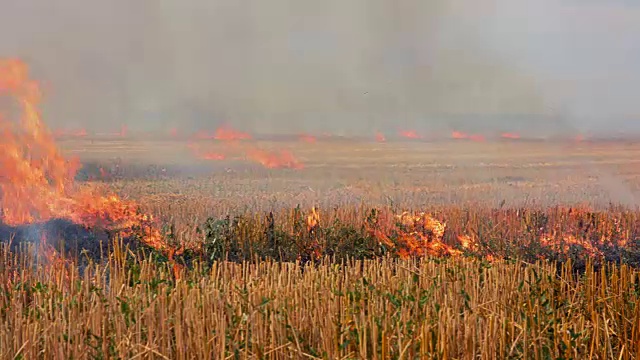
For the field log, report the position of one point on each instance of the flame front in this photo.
(410, 134)
(273, 159)
(417, 234)
(512, 136)
(37, 182)
(464, 136)
(308, 138)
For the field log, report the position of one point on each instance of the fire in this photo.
(37, 182)
(274, 159)
(410, 134)
(205, 155)
(212, 156)
(416, 234)
(380, 137)
(124, 130)
(512, 136)
(222, 133)
(226, 133)
(467, 242)
(313, 220)
(564, 244)
(460, 136)
(308, 138)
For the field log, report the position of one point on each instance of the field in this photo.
(450, 249)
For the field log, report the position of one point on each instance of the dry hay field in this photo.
(364, 250)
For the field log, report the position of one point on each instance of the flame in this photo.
(269, 159)
(467, 242)
(512, 136)
(205, 155)
(308, 138)
(410, 134)
(222, 133)
(463, 136)
(416, 234)
(124, 130)
(313, 220)
(212, 156)
(274, 159)
(458, 135)
(380, 137)
(37, 182)
(564, 244)
(226, 133)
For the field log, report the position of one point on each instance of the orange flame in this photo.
(124, 130)
(410, 134)
(37, 182)
(226, 133)
(460, 136)
(212, 156)
(380, 137)
(313, 220)
(273, 159)
(417, 234)
(205, 155)
(512, 136)
(308, 138)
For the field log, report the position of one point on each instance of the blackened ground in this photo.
(73, 240)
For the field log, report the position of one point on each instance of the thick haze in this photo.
(347, 67)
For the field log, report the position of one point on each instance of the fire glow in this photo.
(410, 134)
(464, 136)
(271, 159)
(37, 181)
(512, 136)
(308, 138)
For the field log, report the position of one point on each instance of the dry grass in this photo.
(132, 306)
(361, 310)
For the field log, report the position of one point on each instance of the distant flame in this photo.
(460, 135)
(124, 131)
(205, 155)
(512, 136)
(308, 138)
(380, 137)
(226, 133)
(410, 134)
(274, 159)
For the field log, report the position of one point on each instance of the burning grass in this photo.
(101, 278)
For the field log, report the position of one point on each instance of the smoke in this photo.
(339, 66)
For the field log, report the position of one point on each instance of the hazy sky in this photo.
(330, 65)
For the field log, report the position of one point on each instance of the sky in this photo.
(348, 67)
